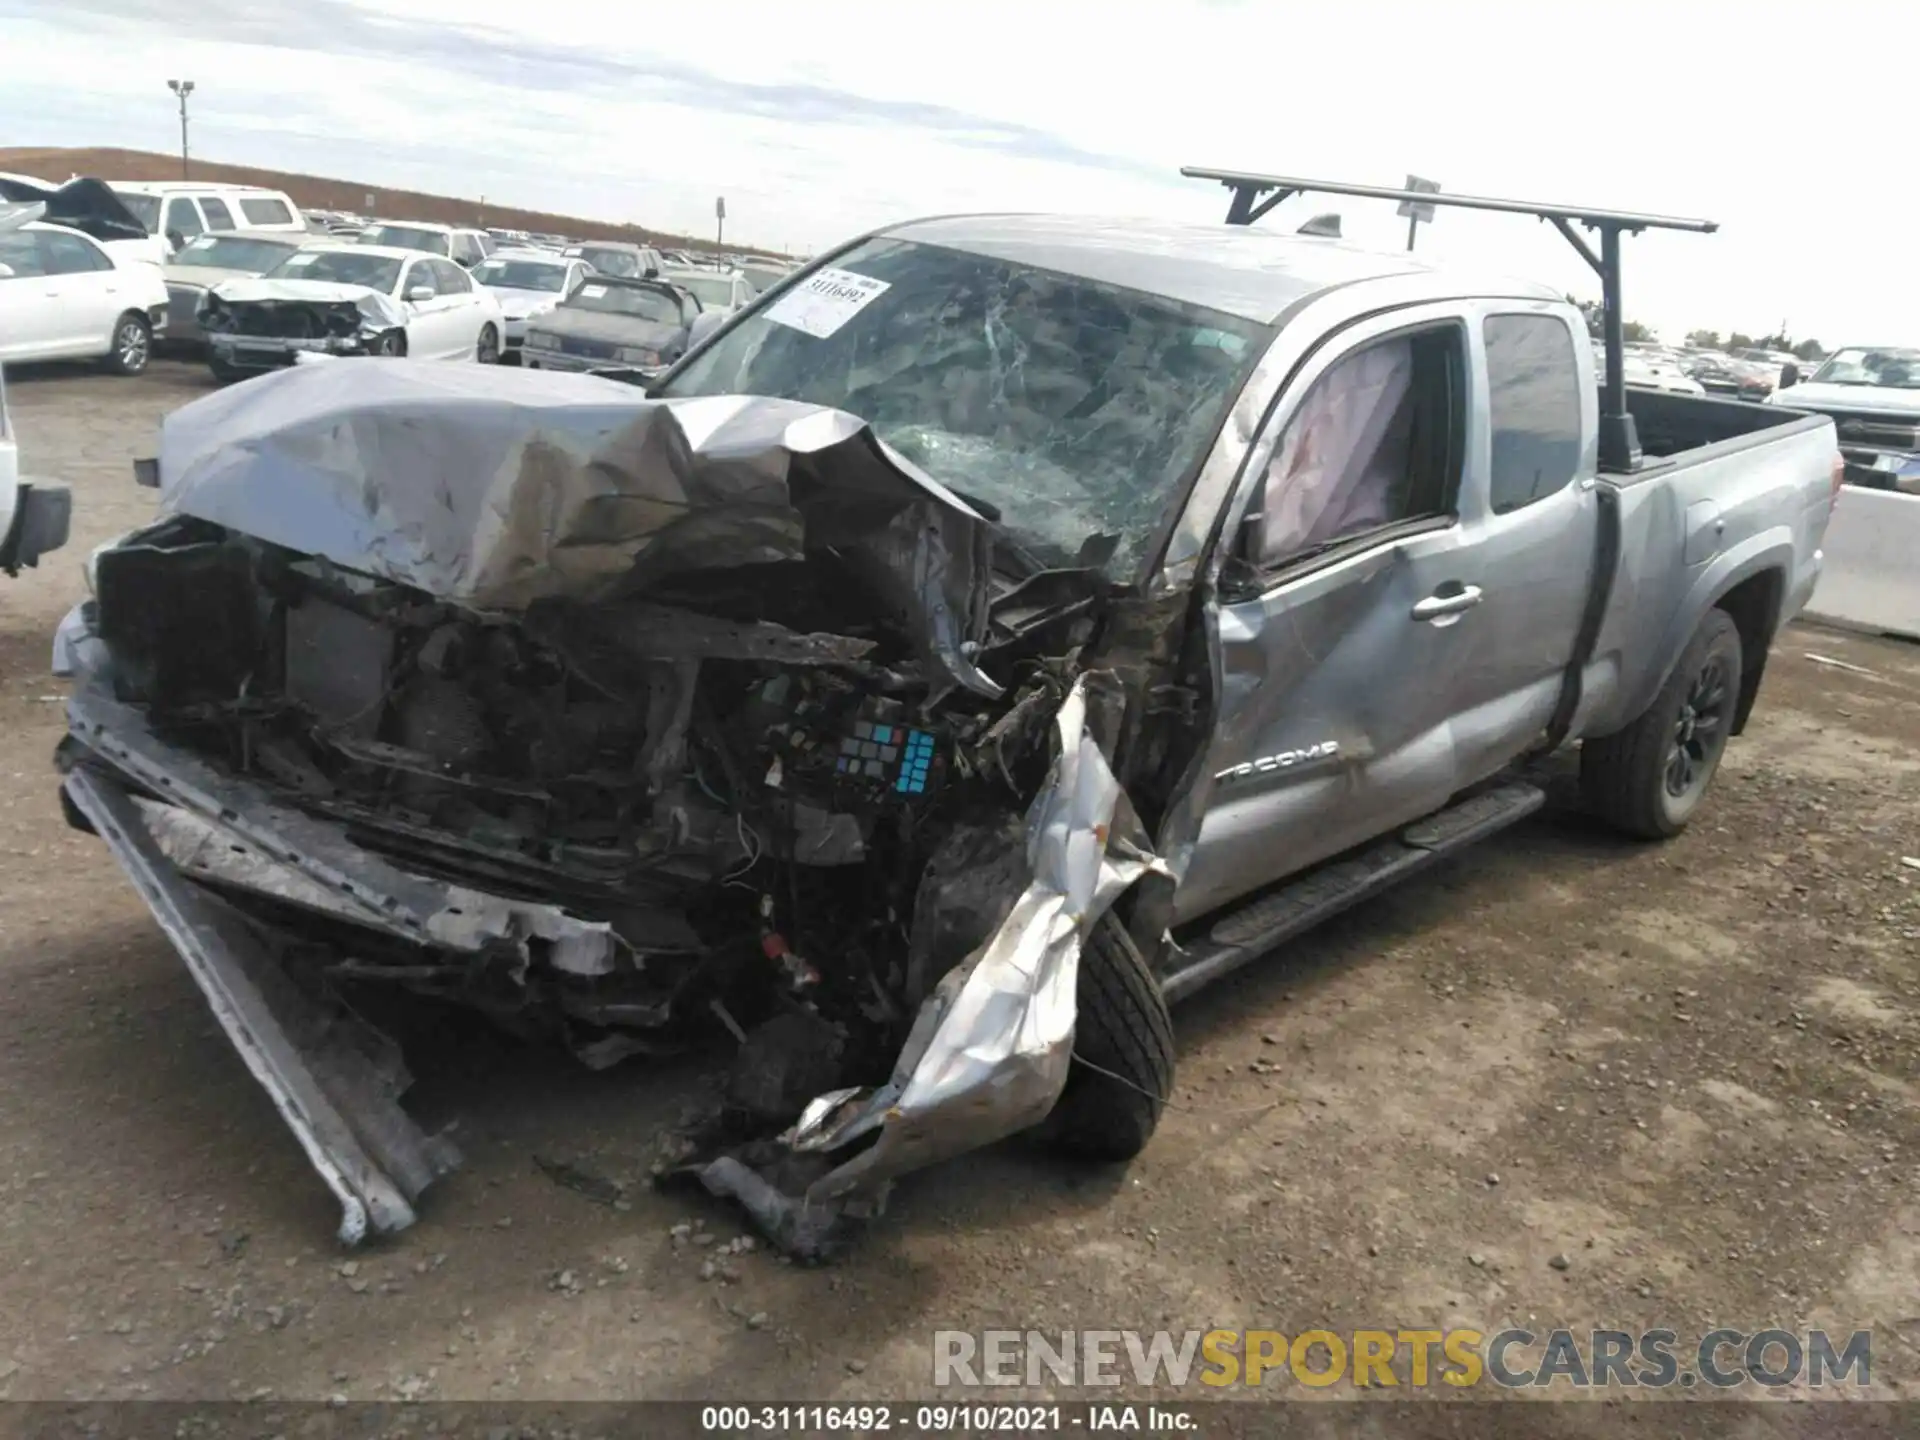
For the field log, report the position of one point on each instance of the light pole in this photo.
(182, 88)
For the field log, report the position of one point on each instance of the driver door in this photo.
(1344, 621)
(426, 314)
(462, 314)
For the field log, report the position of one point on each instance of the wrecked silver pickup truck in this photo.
(996, 632)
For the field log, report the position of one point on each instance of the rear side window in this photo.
(266, 211)
(70, 255)
(218, 216)
(1533, 393)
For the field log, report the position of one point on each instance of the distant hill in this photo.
(316, 192)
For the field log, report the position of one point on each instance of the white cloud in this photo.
(817, 123)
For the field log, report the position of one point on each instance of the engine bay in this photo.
(750, 806)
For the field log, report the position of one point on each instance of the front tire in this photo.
(393, 345)
(1123, 1052)
(1648, 779)
(487, 352)
(131, 346)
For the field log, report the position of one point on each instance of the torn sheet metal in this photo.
(494, 489)
(416, 908)
(989, 1050)
(347, 318)
(334, 1079)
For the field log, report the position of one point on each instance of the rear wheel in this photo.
(1123, 1052)
(132, 344)
(487, 352)
(1649, 778)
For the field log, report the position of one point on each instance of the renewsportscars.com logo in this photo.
(1511, 1359)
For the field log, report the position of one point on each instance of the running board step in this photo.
(1271, 920)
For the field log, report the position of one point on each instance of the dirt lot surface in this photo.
(1564, 1081)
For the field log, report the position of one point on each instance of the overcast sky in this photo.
(819, 120)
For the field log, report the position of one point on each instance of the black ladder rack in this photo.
(1255, 195)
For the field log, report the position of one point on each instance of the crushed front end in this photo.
(634, 725)
(262, 324)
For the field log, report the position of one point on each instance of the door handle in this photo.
(1451, 602)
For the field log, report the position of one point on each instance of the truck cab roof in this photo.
(1253, 274)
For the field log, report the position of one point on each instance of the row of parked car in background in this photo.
(1741, 374)
(1871, 392)
(243, 276)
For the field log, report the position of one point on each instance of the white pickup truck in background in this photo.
(1872, 393)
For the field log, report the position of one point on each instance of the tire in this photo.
(131, 345)
(392, 344)
(1649, 778)
(1123, 1028)
(226, 373)
(487, 352)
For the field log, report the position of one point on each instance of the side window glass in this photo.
(419, 274)
(70, 255)
(1533, 393)
(183, 218)
(218, 216)
(266, 211)
(21, 256)
(450, 279)
(1374, 443)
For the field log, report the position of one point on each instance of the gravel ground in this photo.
(1562, 1081)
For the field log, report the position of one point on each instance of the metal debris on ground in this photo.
(601, 1189)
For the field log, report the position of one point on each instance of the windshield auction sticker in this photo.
(825, 300)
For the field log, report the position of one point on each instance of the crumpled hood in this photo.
(1860, 399)
(519, 304)
(260, 288)
(579, 324)
(494, 488)
(203, 277)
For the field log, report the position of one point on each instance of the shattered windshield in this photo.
(1073, 407)
(340, 267)
(1891, 369)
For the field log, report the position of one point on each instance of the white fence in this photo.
(1872, 576)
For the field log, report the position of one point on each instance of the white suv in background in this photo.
(180, 210)
(63, 296)
(466, 248)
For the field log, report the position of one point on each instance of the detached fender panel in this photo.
(335, 1081)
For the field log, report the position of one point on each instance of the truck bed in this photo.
(1670, 425)
(1729, 506)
